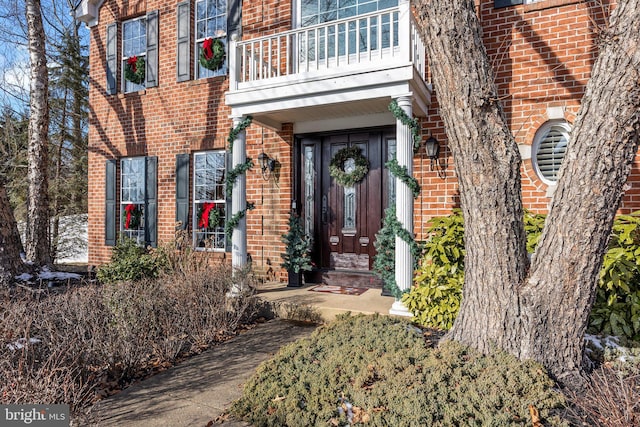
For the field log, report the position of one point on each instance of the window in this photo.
(211, 22)
(132, 198)
(549, 146)
(134, 45)
(314, 12)
(209, 205)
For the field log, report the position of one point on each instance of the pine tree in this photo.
(297, 246)
(385, 244)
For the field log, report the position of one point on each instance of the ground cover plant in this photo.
(78, 345)
(383, 371)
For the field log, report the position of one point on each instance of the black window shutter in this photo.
(110, 203)
(234, 18)
(182, 190)
(112, 58)
(183, 49)
(505, 3)
(151, 211)
(151, 71)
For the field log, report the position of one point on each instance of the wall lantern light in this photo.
(267, 165)
(432, 149)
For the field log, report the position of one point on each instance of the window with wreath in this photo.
(209, 204)
(132, 198)
(211, 42)
(134, 52)
(549, 147)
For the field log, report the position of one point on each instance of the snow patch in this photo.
(21, 342)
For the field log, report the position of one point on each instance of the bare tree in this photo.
(37, 231)
(538, 310)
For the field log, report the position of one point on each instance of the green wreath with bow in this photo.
(134, 70)
(336, 167)
(212, 54)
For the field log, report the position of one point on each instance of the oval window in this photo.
(549, 146)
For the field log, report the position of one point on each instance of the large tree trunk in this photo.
(542, 314)
(556, 300)
(10, 245)
(37, 235)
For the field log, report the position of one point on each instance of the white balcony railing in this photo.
(389, 36)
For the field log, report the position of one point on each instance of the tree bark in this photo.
(10, 245)
(540, 314)
(37, 233)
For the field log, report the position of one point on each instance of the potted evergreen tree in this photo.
(296, 256)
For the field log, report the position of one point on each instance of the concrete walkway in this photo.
(200, 389)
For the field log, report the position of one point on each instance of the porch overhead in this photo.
(346, 69)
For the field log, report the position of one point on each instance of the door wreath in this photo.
(336, 167)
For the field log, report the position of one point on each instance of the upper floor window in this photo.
(134, 51)
(211, 23)
(318, 11)
(549, 147)
(209, 204)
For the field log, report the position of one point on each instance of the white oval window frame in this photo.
(541, 133)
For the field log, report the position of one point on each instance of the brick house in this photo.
(316, 77)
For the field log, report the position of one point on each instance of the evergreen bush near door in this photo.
(296, 258)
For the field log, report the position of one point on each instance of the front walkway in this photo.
(304, 304)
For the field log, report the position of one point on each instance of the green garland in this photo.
(233, 174)
(136, 76)
(407, 121)
(396, 228)
(233, 222)
(233, 134)
(218, 54)
(336, 167)
(401, 172)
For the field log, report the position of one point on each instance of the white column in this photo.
(239, 200)
(404, 206)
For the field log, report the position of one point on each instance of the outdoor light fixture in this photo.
(267, 165)
(432, 149)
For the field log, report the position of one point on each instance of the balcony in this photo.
(347, 70)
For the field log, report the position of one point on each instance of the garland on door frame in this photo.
(407, 121)
(233, 174)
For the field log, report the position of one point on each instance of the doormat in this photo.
(341, 290)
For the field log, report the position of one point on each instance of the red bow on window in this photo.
(206, 46)
(129, 210)
(132, 63)
(204, 218)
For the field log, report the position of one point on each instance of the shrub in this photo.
(379, 371)
(84, 342)
(129, 261)
(435, 297)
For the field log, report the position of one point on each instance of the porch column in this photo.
(239, 201)
(404, 206)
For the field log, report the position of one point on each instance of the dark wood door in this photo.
(344, 220)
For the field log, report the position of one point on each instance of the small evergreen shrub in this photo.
(379, 371)
(297, 246)
(131, 262)
(435, 297)
(384, 262)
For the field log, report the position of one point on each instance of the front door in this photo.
(344, 220)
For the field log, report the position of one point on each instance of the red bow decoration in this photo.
(204, 218)
(129, 210)
(206, 46)
(132, 63)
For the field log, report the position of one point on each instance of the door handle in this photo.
(325, 209)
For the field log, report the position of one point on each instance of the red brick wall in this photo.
(542, 54)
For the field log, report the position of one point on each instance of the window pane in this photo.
(209, 201)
